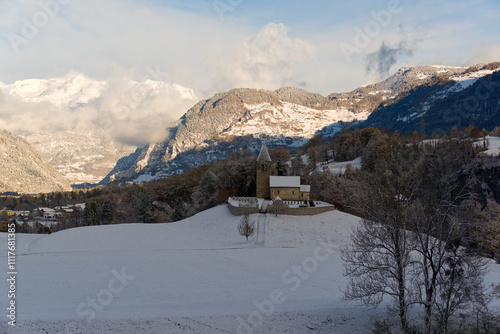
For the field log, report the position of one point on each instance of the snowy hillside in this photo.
(237, 120)
(192, 277)
(493, 147)
(24, 170)
(289, 120)
(450, 100)
(464, 80)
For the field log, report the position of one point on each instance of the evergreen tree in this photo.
(91, 214)
(107, 215)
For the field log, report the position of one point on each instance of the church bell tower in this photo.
(263, 173)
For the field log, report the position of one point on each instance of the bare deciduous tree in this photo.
(245, 227)
(440, 223)
(378, 261)
(417, 217)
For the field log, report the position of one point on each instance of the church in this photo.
(269, 186)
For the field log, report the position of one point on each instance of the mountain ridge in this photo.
(470, 97)
(231, 121)
(287, 116)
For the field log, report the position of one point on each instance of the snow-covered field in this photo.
(336, 167)
(194, 276)
(494, 146)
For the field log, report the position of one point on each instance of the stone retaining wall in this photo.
(309, 211)
(242, 210)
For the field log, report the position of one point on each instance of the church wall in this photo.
(286, 194)
(304, 196)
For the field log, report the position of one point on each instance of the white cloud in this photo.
(125, 111)
(265, 60)
(125, 38)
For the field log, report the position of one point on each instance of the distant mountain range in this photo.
(426, 99)
(240, 118)
(77, 90)
(86, 153)
(81, 157)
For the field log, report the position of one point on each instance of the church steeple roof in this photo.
(264, 153)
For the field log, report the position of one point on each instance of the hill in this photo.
(196, 275)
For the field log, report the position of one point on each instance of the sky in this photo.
(322, 46)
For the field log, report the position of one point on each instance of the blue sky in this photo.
(218, 45)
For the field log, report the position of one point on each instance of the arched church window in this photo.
(264, 167)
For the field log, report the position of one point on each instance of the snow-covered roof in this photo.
(264, 153)
(284, 181)
(46, 209)
(305, 188)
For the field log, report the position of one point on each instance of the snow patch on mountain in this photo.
(289, 120)
(468, 79)
(461, 81)
(493, 147)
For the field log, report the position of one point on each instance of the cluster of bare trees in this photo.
(412, 244)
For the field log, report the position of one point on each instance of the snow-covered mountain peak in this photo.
(75, 90)
(67, 91)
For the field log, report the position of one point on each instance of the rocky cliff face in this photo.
(24, 170)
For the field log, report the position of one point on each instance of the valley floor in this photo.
(193, 276)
